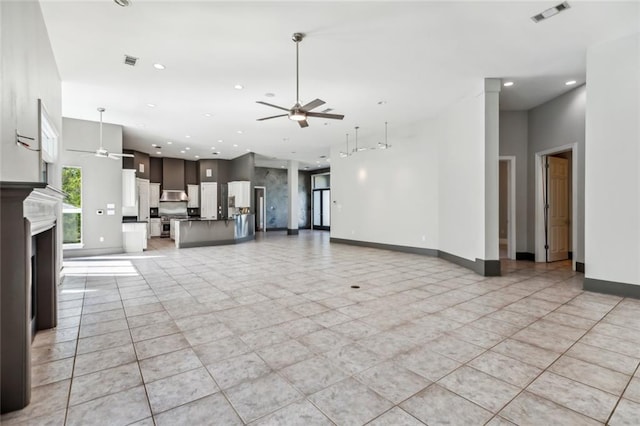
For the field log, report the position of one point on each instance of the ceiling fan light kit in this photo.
(299, 112)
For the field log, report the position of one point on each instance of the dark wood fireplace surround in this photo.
(28, 277)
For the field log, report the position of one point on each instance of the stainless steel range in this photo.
(167, 224)
(170, 211)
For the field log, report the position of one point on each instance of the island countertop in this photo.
(198, 232)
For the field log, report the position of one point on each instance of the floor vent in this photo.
(550, 12)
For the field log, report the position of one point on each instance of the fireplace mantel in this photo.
(28, 218)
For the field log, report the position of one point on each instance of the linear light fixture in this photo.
(552, 11)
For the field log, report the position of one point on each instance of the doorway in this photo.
(507, 207)
(260, 193)
(556, 198)
(322, 209)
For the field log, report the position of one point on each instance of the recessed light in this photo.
(238, 87)
(328, 160)
(269, 95)
(213, 147)
(248, 150)
(570, 82)
(235, 145)
(159, 152)
(169, 142)
(306, 168)
(158, 66)
(382, 102)
(151, 105)
(182, 151)
(197, 156)
(154, 145)
(187, 148)
(220, 141)
(239, 132)
(508, 83)
(187, 136)
(282, 167)
(207, 114)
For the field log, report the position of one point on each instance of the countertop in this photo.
(135, 221)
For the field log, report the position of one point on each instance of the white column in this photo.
(294, 206)
(492, 88)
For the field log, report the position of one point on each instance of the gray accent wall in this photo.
(556, 123)
(101, 185)
(561, 121)
(173, 174)
(275, 180)
(141, 159)
(155, 172)
(513, 142)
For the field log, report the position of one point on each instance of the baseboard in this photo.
(392, 247)
(523, 255)
(292, 231)
(76, 253)
(488, 268)
(612, 287)
(580, 267)
(570, 255)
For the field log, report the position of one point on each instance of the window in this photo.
(72, 207)
(48, 142)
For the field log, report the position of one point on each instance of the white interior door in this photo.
(558, 209)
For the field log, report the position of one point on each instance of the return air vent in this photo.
(130, 60)
(550, 12)
(326, 110)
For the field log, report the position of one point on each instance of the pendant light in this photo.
(386, 142)
(346, 153)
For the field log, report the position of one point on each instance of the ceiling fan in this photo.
(101, 151)
(299, 112)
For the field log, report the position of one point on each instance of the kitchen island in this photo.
(213, 232)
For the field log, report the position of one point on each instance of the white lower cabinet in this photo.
(134, 237)
(155, 227)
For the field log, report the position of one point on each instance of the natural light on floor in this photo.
(99, 268)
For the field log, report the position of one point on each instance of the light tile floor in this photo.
(271, 332)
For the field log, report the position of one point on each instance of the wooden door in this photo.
(557, 209)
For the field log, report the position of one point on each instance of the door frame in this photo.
(264, 207)
(540, 251)
(511, 204)
(313, 206)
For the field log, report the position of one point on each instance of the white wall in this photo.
(28, 72)
(101, 184)
(556, 123)
(513, 141)
(612, 188)
(461, 207)
(387, 196)
(428, 189)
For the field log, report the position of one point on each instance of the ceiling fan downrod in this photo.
(297, 38)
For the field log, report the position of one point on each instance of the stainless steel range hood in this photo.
(174, 195)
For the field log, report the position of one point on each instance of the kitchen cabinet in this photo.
(129, 196)
(143, 198)
(155, 227)
(241, 191)
(154, 195)
(134, 237)
(209, 200)
(193, 192)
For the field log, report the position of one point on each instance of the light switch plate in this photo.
(111, 206)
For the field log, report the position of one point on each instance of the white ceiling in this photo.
(416, 57)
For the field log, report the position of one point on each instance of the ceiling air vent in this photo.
(130, 60)
(550, 12)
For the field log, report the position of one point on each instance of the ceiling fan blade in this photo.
(272, 105)
(273, 116)
(121, 155)
(313, 104)
(325, 115)
(303, 123)
(113, 156)
(80, 150)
